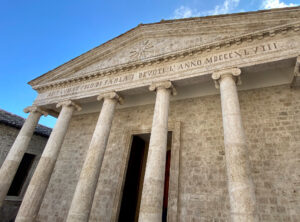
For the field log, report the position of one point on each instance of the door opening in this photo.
(134, 180)
(166, 189)
(133, 186)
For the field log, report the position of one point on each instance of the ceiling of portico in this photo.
(149, 41)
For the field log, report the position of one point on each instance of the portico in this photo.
(233, 94)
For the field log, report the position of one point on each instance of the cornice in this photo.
(91, 54)
(271, 32)
(141, 30)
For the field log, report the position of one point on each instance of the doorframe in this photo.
(173, 196)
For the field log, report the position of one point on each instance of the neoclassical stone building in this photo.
(182, 120)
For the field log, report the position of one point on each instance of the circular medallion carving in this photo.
(141, 50)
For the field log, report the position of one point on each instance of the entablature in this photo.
(184, 71)
(174, 57)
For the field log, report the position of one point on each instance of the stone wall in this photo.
(8, 135)
(271, 119)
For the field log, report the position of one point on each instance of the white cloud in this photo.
(185, 12)
(268, 4)
(228, 6)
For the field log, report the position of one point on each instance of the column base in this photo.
(150, 217)
(26, 219)
(238, 217)
(77, 217)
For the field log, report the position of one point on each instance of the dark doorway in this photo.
(132, 191)
(166, 189)
(134, 180)
(21, 175)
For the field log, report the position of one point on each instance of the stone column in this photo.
(240, 184)
(36, 190)
(86, 186)
(16, 153)
(153, 188)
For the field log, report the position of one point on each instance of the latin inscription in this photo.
(151, 73)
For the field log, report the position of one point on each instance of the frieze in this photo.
(149, 75)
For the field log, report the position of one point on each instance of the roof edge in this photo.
(13, 120)
(77, 57)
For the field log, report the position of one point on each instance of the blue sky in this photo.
(37, 36)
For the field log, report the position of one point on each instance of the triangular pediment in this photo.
(146, 42)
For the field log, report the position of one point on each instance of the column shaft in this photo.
(86, 186)
(16, 153)
(153, 188)
(36, 190)
(240, 184)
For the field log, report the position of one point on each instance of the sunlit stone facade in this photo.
(183, 120)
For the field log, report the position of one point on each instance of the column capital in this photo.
(33, 109)
(233, 72)
(112, 96)
(163, 85)
(68, 103)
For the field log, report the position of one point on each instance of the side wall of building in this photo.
(271, 118)
(8, 135)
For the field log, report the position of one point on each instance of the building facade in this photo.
(182, 120)
(10, 125)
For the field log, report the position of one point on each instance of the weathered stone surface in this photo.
(273, 140)
(16, 152)
(8, 134)
(37, 187)
(264, 45)
(153, 188)
(85, 189)
(239, 180)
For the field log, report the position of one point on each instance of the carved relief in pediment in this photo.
(145, 49)
(142, 50)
